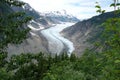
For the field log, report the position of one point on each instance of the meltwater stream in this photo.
(57, 43)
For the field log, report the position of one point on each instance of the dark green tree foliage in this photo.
(12, 23)
(110, 36)
(14, 2)
(112, 33)
(28, 66)
(91, 66)
(99, 10)
(115, 4)
(12, 30)
(33, 66)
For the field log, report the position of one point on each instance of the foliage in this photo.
(12, 30)
(92, 65)
(14, 2)
(99, 10)
(62, 71)
(36, 66)
(116, 4)
(111, 33)
(110, 38)
(12, 23)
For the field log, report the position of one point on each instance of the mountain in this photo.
(46, 18)
(33, 13)
(79, 33)
(60, 16)
(86, 31)
(36, 41)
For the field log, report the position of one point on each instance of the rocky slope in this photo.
(86, 31)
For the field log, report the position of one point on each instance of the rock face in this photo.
(86, 31)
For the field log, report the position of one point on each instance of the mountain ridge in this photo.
(60, 15)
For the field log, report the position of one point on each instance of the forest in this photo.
(102, 62)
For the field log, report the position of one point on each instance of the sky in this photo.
(82, 9)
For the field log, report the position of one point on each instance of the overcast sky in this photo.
(80, 8)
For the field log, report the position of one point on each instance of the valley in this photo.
(47, 40)
(54, 44)
(44, 34)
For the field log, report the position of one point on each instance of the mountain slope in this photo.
(36, 41)
(86, 30)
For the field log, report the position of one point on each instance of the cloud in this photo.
(80, 8)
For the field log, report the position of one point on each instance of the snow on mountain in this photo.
(54, 13)
(62, 16)
(27, 7)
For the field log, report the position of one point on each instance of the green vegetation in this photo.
(102, 63)
(12, 30)
(91, 66)
(12, 23)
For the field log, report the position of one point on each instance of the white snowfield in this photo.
(57, 43)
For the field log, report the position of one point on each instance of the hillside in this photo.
(86, 31)
(35, 42)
